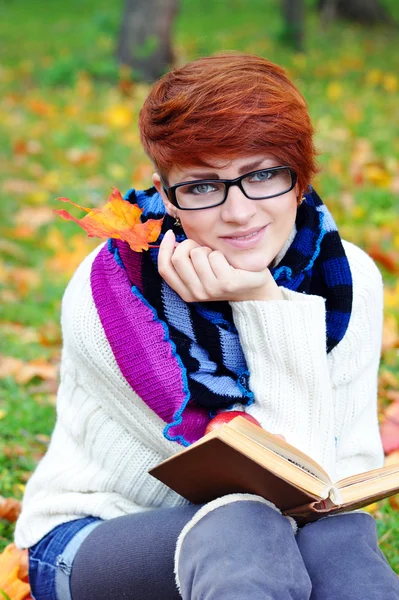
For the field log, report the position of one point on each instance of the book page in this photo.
(368, 475)
(381, 482)
(381, 486)
(280, 447)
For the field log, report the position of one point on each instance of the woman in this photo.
(251, 303)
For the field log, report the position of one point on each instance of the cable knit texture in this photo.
(106, 437)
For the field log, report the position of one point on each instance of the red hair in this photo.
(223, 107)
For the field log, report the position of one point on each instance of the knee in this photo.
(217, 542)
(237, 513)
(347, 530)
(235, 521)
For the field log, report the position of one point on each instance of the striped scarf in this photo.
(185, 360)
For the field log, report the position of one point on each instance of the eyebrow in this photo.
(247, 168)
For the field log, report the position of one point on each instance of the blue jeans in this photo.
(50, 560)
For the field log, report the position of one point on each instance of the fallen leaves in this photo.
(10, 509)
(117, 219)
(34, 216)
(386, 258)
(23, 372)
(68, 253)
(390, 333)
(14, 574)
(119, 116)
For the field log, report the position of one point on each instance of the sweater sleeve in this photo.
(284, 344)
(323, 404)
(354, 369)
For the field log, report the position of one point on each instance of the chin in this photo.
(248, 262)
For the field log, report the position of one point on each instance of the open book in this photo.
(243, 457)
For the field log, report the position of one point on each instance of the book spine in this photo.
(335, 496)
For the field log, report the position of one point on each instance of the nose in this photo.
(237, 208)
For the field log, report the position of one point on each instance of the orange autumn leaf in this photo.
(117, 219)
(14, 574)
(10, 509)
(23, 372)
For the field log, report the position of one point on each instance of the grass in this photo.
(67, 128)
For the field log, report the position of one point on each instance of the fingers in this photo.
(220, 267)
(201, 264)
(199, 274)
(165, 267)
(176, 268)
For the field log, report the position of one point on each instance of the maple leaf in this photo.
(14, 574)
(117, 219)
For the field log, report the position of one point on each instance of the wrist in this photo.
(269, 291)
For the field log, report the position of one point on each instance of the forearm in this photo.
(284, 343)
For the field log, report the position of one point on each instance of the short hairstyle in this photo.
(223, 107)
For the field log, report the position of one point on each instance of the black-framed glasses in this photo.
(257, 185)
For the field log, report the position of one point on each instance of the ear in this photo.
(299, 194)
(170, 209)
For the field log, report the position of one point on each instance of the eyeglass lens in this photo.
(258, 185)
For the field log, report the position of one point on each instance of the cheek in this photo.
(198, 226)
(285, 215)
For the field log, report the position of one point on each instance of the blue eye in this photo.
(201, 188)
(262, 175)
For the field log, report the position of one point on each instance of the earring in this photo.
(299, 201)
(177, 222)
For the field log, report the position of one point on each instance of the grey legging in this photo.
(243, 550)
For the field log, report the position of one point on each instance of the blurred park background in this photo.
(73, 76)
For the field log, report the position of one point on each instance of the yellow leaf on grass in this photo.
(374, 76)
(117, 219)
(334, 91)
(390, 83)
(371, 508)
(119, 116)
(14, 573)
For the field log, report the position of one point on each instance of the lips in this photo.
(246, 239)
(246, 233)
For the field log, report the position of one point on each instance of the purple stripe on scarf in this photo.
(132, 262)
(143, 350)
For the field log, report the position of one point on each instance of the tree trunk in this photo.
(369, 12)
(294, 18)
(145, 37)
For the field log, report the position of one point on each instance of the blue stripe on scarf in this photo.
(177, 311)
(334, 274)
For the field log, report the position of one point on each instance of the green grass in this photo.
(61, 92)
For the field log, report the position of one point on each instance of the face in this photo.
(250, 233)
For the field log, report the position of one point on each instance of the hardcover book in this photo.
(243, 457)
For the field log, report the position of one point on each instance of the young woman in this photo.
(252, 303)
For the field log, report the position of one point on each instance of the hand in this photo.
(200, 274)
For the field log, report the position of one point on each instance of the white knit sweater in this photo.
(106, 438)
